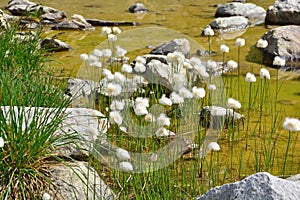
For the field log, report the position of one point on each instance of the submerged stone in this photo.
(254, 13)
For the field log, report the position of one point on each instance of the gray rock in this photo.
(138, 7)
(284, 42)
(255, 14)
(158, 71)
(52, 44)
(295, 178)
(23, 7)
(87, 125)
(216, 117)
(181, 45)
(284, 12)
(99, 22)
(77, 180)
(82, 92)
(261, 185)
(229, 24)
(77, 22)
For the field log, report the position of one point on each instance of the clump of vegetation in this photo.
(28, 132)
(242, 111)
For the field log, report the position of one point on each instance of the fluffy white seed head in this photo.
(105, 30)
(112, 37)
(117, 105)
(97, 52)
(84, 56)
(120, 52)
(201, 71)
(213, 146)
(126, 68)
(106, 53)
(150, 118)
(92, 58)
(126, 166)
(140, 110)
(113, 89)
(116, 30)
(211, 64)
(195, 61)
(250, 78)
(140, 101)
(115, 118)
(176, 98)
(198, 92)
(122, 154)
(224, 48)
(140, 59)
(291, 124)
(139, 67)
(231, 64)
(240, 42)
(278, 61)
(234, 104)
(264, 73)
(119, 78)
(165, 101)
(208, 31)
(185, 93)
(163, 120)
(261, 43)
(163, 132)
(46, 196)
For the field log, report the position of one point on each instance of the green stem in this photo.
(248, 118)
(286, 154)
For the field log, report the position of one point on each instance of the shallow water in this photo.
(178, 16)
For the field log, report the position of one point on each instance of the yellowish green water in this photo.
(186, 17)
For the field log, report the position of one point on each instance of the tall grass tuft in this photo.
(28, 131)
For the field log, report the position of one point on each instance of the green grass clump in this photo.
(29, 142)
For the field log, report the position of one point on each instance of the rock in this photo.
(138, 7)
(23, 7)
(255, 14)
(77, 180)
(77, 22)
(284, 42)
(216, 117)
(3, 20)
(98, 22)
(88, 125)
(158, 71)
(51, 44)
(295, 178)
(82, 92)
(205, 53)
(229, 24)
(283, 12)
(181, 45)
(261, 185)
